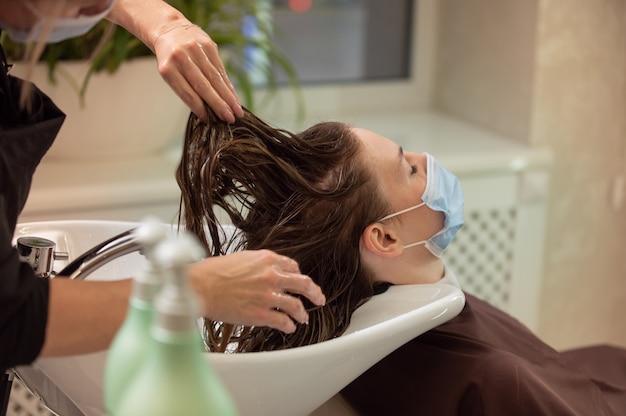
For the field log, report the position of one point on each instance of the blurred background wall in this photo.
(553, 73)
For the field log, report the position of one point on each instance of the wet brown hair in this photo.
(308, 196)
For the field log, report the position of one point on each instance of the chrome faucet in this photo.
(117, 246)
(39, 253)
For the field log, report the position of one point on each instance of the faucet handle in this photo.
(180, 251)
(39, 253)
(149, 235)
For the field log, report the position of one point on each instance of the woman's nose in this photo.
(419, 159)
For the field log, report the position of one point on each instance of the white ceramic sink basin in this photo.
(290, 383)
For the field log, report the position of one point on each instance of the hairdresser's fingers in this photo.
(278, 320)
(281, 263)
(207, 58)
(302, 285)
(274, 310)
(208, 78)
(291, 306)
(178, 71)
(289, 279)
(185, 92)
(189, 62)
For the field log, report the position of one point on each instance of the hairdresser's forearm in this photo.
(146, 19)
(83, 316)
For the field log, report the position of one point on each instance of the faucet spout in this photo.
(117, 246)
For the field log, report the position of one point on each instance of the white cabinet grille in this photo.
(481, 256)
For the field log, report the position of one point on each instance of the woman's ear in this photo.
(381, 240)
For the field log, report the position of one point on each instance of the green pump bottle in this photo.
(175, 378)
(130, 343)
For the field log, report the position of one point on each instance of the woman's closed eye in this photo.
(413, 169)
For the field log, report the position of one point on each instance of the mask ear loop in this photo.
(414, 244)
(425, 242)
(402, 212)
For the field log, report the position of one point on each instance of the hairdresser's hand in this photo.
(187, 56)
(188, 60)
(250, 288)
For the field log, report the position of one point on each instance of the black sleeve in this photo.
(25, 136)
(23, 306)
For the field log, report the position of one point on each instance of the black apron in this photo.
(25, 136)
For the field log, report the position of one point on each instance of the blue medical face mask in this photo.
(443, 193)
(62, 28)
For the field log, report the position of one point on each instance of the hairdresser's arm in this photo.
(83, 316)
(248, 287)
(254, 288)
(187, 57)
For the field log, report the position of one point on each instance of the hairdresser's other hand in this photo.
(253, 288)
(188, 60)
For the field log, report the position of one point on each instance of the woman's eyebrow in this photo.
(400, 155)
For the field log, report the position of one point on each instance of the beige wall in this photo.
(579, 110)
(485, 63)
(553, 73)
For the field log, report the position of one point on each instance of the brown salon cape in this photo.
(484, 362)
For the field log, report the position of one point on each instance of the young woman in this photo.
(359, 213)
(311, 197)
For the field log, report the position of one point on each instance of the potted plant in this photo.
(121, 101)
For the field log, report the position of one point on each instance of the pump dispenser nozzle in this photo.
(149, 235)
(176, 305)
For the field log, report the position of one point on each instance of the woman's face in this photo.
(402, 181)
